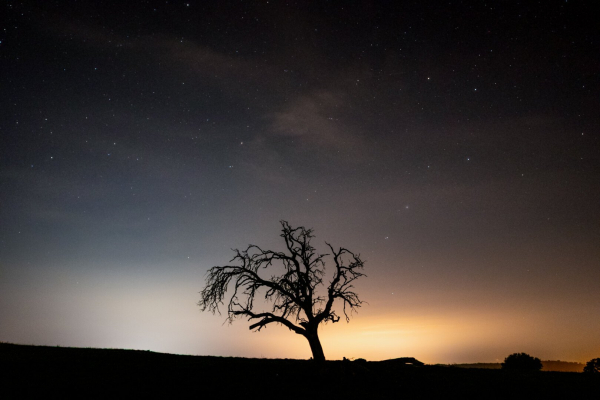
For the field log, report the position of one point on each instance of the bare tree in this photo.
(293, 298)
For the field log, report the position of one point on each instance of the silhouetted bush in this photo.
(521, 362)
(592, 366)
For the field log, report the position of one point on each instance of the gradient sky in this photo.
(455, 147)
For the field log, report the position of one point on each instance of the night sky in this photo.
(455, 147)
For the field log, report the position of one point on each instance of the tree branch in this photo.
(293, 294)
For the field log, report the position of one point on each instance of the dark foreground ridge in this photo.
(42, 370)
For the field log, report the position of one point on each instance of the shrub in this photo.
(592, 366)
(521, 362)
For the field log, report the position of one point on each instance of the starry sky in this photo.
(455, 146)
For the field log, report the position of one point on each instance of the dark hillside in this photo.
(40, 370)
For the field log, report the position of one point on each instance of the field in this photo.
(41, 370)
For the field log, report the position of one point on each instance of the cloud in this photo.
(171, 54)
(297, 115)
(318, 121)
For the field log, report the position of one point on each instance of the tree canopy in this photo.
(592, 366)
(521, 362)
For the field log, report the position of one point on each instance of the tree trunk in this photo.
(315, 346)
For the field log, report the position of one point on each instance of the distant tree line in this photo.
(525, 362)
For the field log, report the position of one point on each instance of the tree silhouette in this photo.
(592, 366)
(521, 362)
(293, 295)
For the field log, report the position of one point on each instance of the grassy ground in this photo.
(59, 371)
